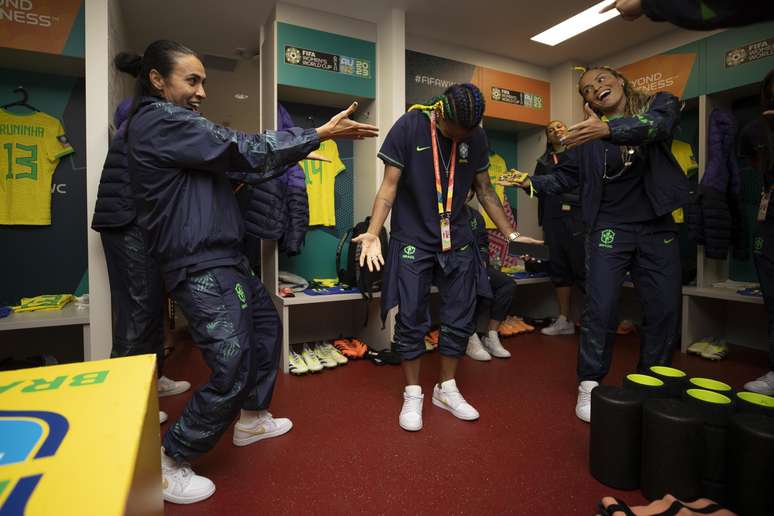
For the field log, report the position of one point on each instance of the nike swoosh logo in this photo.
(668, 241)
(420, 149)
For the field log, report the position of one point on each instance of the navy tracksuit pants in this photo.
(651, 252)
(763, 256)
(136, 295)
(236, 327)
(503, 288)
(565, 237)
(409, 273)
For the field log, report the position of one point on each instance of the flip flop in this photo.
(672, 510)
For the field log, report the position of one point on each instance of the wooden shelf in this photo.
(68, 316)
(721, 293)
(50, 64)
(532, 281)
(305, 299)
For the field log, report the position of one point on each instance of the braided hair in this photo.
(462, 104)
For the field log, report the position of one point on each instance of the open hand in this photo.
(370, 251)
(590, 129)
(520, 182)
(630, 9)
(341, 126)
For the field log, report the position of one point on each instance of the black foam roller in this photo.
(715, 491)
(751, 402)
(675, 380)
(751, 464)
(710, 385)
(713, 462)
(715, 408)
(616, 436)
(672, 445)
(639, 383)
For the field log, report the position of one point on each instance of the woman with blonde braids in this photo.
(630, 184)
(432, 156)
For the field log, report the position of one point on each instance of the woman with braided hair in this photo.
(620, 157)
(433, 155)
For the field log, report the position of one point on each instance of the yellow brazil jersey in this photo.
(497, 167)
(30, 148)
(683, 153)
(320, 184)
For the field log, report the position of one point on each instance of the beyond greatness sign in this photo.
(668, 72)
(38, 25)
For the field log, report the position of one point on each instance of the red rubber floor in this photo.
(527, 455)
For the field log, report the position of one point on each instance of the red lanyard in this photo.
(445, 215)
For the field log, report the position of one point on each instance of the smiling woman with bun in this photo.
(630, 184)
(180, 165)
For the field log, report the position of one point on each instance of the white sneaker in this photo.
(583, 407)
(493, 345)
(763, 385)
(476, 350)
(297, 364)
(265, 427)
(448, 397)
(324, 356)
(561, 326)
(167, 387)
(162, 417)
(181, 484)
(310, 359)
(411, 413)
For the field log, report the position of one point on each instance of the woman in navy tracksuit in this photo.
(630, 184)
(136, 294)
(560, 216)
(193, 228)
(503, 287)
(757, 142)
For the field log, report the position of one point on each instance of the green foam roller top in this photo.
(709, 384)
(757, 399)
(668, 371)
(644, 379)
(709, 396)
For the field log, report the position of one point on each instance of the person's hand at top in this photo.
(590, 129)
(341, 126)
(630, 9)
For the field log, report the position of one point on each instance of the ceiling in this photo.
(500, 27)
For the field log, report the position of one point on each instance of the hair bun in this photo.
(128, 63)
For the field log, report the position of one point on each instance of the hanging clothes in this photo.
(717, 220)
(31, 146)
(497, 167)
(321, 184)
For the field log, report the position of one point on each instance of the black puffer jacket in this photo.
(716, 215)
(278, 209)
(115, 205)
